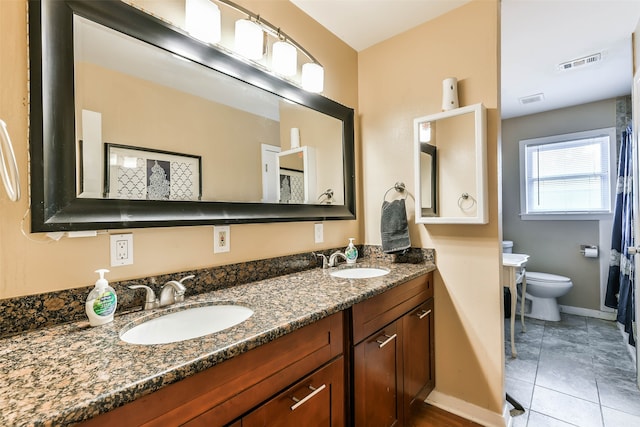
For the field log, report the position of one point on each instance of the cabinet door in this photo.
(418, 353)
(377, 378)
(315, 401)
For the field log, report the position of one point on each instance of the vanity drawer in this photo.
(317, 400)
(374, 313)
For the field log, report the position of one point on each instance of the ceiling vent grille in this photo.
(526, 100)
(580, 62)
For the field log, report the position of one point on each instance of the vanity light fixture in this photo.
(251, 34)
(202, 20)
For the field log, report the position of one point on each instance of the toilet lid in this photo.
(546, 277)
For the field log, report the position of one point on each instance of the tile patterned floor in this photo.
(576, 372)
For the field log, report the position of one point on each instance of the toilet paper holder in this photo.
(589, 251)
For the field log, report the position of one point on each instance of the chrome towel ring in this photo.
(400, 188)
(466, 202)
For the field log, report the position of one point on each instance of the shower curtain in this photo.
(620, 285)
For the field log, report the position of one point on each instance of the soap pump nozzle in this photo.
(102, 282)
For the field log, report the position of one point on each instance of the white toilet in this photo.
(542, 292)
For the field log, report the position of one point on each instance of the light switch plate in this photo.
(318, 232)
(121, 249)
(221, 238)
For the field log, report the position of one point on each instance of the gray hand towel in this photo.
(394, 227)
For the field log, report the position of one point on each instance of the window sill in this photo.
(567, 217)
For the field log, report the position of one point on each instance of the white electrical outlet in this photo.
(319, 232)
(121, 249)
(221, 238)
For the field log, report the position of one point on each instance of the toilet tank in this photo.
(507, 246)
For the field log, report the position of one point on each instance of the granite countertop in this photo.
(71, 372)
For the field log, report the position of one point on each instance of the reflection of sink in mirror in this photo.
(514, 260)
(359, 272)
(191, 322)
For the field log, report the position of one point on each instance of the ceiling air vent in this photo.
(585, 60)
(526, 100)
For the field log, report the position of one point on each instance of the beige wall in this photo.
(401, 79)
(554, 245)
(30, 263)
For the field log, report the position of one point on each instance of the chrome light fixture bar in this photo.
(249, 41)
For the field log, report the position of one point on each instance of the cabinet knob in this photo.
(423, 314)
(386, 339)
(300, 402)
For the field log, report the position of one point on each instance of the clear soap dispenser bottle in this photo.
(351, 252)
(101, 302)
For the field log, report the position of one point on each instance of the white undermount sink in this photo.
(185, 324)
(359, 272)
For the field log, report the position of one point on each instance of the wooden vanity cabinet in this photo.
(363, 366)
(393, 365)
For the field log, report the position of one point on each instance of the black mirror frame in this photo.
(432, 151)
(54, 202)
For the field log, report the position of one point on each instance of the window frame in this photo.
(553, 139)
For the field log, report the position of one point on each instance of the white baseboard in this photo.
(469, 411)
(587, 312)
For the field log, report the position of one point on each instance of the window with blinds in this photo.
(568, 174)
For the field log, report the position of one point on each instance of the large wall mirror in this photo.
(136, 124)
(450, 167)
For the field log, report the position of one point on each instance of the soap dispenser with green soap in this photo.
(351, 252)
(101, 302)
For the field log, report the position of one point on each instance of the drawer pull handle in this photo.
(314, 391)
(382, 342)
(423, 314)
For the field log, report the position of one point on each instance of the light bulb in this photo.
(202, 20)
(313, 77)
(249, 39)
(284, 59)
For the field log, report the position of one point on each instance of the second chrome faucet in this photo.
(173, 291)
(332, 261)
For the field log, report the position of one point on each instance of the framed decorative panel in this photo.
(137, 173)
(291, 186)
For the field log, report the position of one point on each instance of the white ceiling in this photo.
(537, 35)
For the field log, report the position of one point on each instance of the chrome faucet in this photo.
(325, 261)
(151, 301)
(334, 256)
(172, 292)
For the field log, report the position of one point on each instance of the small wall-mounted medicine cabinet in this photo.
(450, 158)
